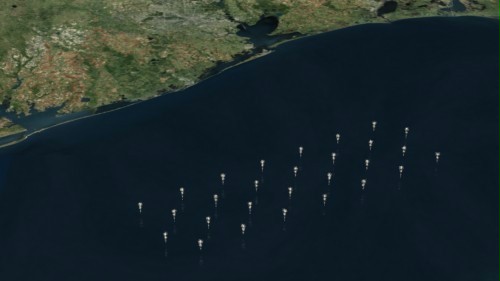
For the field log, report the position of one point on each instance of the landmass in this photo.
(81, 55)
(7, 128)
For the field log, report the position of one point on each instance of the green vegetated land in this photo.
(81, 54)
(8, 128)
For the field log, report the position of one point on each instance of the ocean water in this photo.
(68, 196)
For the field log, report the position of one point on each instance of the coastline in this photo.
(25, 135)
(256, 53)
(77, 186)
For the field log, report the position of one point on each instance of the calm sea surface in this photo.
(68, 196)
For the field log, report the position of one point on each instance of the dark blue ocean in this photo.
(69, 195)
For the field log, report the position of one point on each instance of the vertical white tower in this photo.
(223, 178)
(200, 244)
(363, 184)
(208, 219)
(139, 205)
(174, 214)
(216, 200)
(181, 190)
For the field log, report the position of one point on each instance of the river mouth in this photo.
(258, 34)
(387, 7)
(455, 6)
(68, 197)
(263, 27)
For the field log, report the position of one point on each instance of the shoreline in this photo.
(265, 50)
(26, 136)
(78, 186)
